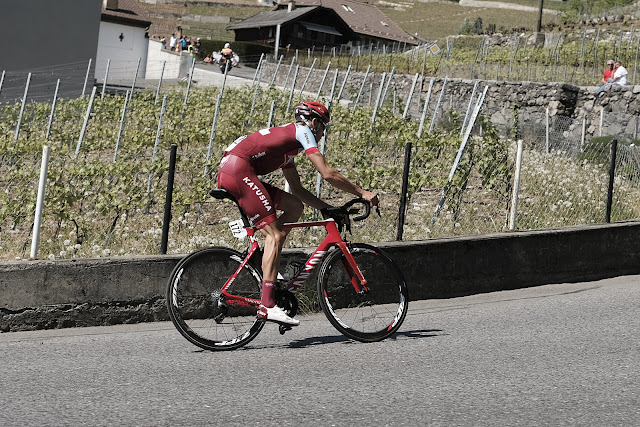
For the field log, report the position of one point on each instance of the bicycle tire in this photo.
(368, 317)
(195, 305)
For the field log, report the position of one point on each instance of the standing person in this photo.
(172, 42)
(192, 50)
(164, 43)
(619, 75)
(266, 151)
(183, 43)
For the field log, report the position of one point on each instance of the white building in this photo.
(122, 40)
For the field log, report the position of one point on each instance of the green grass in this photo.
(439, 20)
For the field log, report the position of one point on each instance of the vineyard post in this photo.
(53, 108)
(333, 88)
(364, 80)
(454, 166)
(271, 111)
(323, 144)
(413, 87)
(595, 53)
(304, 83)
(510, 61)
(403, 194)
(377, 104)
(293, 86)
(344, 82)
(386, 88)
(186, 95)
(122, 118)
(324, 77)
(620, 43)
(424, 110)
(86, 76)
(601, 120)
(168, 200)
(224, 79)
(546, 128)
(466, 116)
(323, 141)
(635, 67)
(2, 79)
(612, 172)
(435, 111)
(159, 82)
(214, 125)
(284, 85)
(393, 105)
(42, 185)
(275, 73)
(424, 64)
(635, 131)
(106, 75)
(584, 131)
(24, 101)
(86, 120)
(257, 68)
(516, 188)
(255, 97)
(582, 51)
(135, 77)
(157, 141)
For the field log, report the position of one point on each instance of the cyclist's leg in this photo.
(274, 238)
(290, 206)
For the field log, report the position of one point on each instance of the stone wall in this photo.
(620, 103)
(88, 292)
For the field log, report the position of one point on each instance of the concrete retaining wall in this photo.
(53, 294)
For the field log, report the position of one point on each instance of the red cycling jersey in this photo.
(274, 148)
(258, 154)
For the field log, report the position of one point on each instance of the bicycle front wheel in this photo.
(367, 316)
(199, 310)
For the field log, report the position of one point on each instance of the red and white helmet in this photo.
(310, 110)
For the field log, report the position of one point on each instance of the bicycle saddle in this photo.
(221, 193)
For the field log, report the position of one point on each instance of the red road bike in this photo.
(213, 293)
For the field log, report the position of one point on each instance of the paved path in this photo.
(551, 355)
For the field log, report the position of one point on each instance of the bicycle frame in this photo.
(294, 284)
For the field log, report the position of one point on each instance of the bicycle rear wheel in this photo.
(197, 308)
(366, 317)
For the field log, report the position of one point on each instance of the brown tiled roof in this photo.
(362, 18)
(128, 12)
(270, 19)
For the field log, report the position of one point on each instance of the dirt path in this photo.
(501, 5)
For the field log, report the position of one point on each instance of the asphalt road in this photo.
(555, 355)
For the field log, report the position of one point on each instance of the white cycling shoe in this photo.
(276, 314)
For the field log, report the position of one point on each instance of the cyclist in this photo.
(266, 151)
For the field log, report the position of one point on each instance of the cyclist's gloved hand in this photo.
(340, 216)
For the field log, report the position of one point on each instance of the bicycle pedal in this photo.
(284, 328)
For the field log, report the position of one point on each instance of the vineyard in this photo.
(107, 174)
(576, 58)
